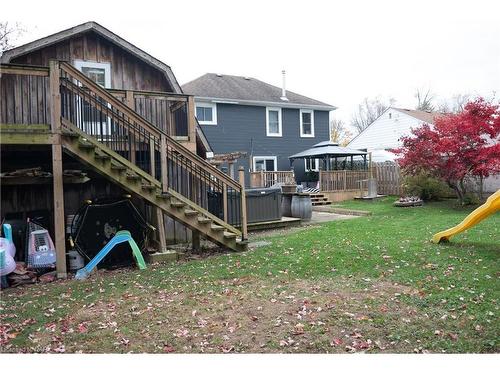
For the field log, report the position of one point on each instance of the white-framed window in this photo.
(206, 113)
(307, 123)
(89, 116)
(311, 165)
(265, 163)
(273, 122)
(99, 72)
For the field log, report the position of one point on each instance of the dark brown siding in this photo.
(127, 71)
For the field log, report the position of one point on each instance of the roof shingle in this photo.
(220, 86)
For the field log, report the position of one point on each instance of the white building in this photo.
(385, 133)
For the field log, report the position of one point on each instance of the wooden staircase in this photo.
(318, 199)
(103, 138)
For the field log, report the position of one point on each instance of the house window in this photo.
(100, 73)
(311, 165)
(89, 115)
(306, 123)
(273, 122)
(206, 113)
(264, 163)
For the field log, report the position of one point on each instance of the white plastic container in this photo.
(75, 260)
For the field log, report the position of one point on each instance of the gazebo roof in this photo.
(325, 149)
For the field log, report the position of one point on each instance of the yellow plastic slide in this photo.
(491, 206)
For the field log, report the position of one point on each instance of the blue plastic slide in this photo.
(120, 237)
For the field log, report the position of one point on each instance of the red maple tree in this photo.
(457, 146)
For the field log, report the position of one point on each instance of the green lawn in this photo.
(372, 284)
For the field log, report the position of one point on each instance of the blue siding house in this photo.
(268, 123)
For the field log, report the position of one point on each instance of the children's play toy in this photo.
(491, 206)
(120, 237)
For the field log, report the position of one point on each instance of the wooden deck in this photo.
(265, 225)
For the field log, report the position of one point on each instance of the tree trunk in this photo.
(456, 188)
(481, 188)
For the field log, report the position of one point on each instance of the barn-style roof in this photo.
(8, 55)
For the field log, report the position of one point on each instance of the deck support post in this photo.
(161, 229)
(164, 167)
(224, 201)
(130, 102)
(191, 123)
(195, 240)
(244, 229)
(57, 170)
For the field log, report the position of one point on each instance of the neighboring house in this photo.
(384, 134)
(243, 114)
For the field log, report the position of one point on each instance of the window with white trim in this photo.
(206, 113)
(264, 163)
(311, 165)
(307, 123)
(89, 115)
(273, 122)
(99, 72)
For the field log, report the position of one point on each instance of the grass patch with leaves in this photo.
(372, 284)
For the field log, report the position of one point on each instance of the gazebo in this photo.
(340, 176)
(330, 153)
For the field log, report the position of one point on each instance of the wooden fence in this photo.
(269, 178)
(332, 181)
(388, 177)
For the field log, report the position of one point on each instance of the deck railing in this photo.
(270, 178)
(167, 111)
(25, 99)
(332, 181)
(24, 94)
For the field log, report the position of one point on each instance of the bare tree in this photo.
(454, 105)
(425, 100)
(339, 133)
(368, 111)
(8, 35)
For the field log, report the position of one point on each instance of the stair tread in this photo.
(118, 166)
(85, 144)
(230, 235)
(178, 204)
(190, 212)
(163, 195)
(133, 176)
(148, 187)
(204, 220)
(217, 227)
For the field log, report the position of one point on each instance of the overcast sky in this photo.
(336, 52)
